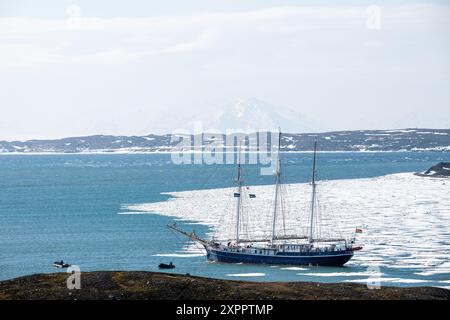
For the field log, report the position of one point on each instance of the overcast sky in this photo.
(70, 68)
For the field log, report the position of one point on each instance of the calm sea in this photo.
(55, 207)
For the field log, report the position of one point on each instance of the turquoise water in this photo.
(55, 207)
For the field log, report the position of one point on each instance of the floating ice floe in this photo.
(254, 274)
(341, 274)
(294, 268)
(179, 255)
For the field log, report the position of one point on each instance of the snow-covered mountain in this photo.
(251, 115)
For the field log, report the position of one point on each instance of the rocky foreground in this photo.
(149, 285)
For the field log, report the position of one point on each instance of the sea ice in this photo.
(405, 218)
(255, 274)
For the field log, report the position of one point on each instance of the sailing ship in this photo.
(277, 249)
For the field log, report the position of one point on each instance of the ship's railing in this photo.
(329, 240)
(291, 237)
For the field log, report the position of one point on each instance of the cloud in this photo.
(202, 41)
(29, 42)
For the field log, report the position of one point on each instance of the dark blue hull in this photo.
(335, 259)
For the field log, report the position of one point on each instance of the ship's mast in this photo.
(313, 195)
(239, 189)
(277, 188)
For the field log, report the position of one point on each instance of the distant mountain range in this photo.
(361, 140)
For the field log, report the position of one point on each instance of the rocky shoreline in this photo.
(140, 285)
(336, 141)
(440, 170)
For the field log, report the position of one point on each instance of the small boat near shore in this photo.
(166, 266)
(61, 264)
(279, 249)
